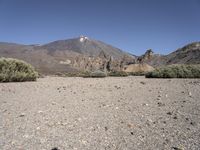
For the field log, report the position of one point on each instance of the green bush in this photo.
(96, 74)
(13, 70)
(176, 71)
(118, 74)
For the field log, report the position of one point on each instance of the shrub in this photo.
(176, 71)
(118, 74)
(137, 73)
(13, 70)
(96, 74)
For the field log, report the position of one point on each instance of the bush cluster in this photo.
(95, 74)
(176, 71)
(118, 74)
(13, 70)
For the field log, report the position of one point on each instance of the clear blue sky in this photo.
(132, 25)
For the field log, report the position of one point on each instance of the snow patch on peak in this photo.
(83, 38)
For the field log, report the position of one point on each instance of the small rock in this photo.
(40, 112)
(145, 104)
(192, 123)
(176, 148)
(130, 125)
(190, 94)
(142, 82)
(106, 128)
(55, 148)
(22, 115)
(160, 104)
(53, 103)
(169, 113)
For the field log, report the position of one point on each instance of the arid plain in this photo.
(113, 113)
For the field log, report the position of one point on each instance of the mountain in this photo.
(86, 46)
(78, 54)
(189, 54)
(83, 53)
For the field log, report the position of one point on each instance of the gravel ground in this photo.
(130, 113)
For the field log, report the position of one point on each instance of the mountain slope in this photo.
(189, 54)
(85, 46)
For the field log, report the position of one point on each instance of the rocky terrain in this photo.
(127, 113)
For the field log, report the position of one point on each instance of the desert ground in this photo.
(113, 113)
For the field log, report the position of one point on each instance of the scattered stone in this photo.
(175, 117)
(169, 113)
(176, 148)
(145, 104)
(130, 125)
(106, 128)
(142, 82)
(55, 148)
(40, 112)
(192, 123)
(160, 104)
(132, 133)
(53, 103)
(22, 115)
(117, 87)
(190, 94)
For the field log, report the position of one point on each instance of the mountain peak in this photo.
(83, 38)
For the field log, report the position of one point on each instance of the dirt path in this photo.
(128, 113)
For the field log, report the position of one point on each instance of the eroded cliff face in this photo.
(102, 62)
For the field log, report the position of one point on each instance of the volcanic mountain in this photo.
(76, 54)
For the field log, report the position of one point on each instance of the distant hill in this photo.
(189, 54)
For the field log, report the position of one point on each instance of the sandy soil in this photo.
(131, 113)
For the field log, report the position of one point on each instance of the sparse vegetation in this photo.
(176, 71)
(96, 74)
(77, 74)
(13, 70)
(118, 74)
(137, 73)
